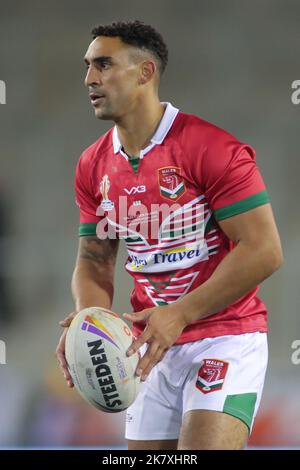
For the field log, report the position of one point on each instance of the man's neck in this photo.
(136, 129)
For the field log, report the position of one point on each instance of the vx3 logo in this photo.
(135, 190)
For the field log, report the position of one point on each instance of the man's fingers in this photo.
(138, 343)
(61, 358)
(153, 355)
(68, 320)
(62, 362)
(60, 350)
(65, 371)
(136, 317)
(148, 361)
(64, 368)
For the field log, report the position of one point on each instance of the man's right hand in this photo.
(60, 350)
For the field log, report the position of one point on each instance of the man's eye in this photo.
(101, 66)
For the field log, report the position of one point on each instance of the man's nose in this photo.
(92, 77)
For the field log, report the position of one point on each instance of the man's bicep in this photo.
(98, 251)
(253, 226)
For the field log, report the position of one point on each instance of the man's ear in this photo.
(148, 69)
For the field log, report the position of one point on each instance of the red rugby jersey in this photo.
(190, 176)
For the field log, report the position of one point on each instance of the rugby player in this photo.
(189, 201)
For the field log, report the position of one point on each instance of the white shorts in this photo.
(223, 374)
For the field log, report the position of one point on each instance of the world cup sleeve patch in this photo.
(211, 375)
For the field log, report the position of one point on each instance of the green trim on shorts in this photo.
(244, 205)
(241, 406)
(87, 230)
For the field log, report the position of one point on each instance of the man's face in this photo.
(112, 77)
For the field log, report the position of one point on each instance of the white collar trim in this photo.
(159, 136)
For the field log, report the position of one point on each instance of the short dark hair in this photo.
(137, 34)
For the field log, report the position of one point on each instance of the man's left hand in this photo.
(163, 326)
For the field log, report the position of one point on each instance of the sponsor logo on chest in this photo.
(135, 190)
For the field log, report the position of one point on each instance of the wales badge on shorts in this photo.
(211, 375)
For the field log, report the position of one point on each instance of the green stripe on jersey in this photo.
(241, 406)
(87, 230)
(134, 162)
(160, 285)
(242, 206)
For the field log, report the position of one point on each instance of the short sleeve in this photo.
(85, 199)
(232, 181)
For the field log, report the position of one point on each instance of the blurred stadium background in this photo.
(231, 62)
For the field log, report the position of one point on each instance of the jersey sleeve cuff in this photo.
(244, 205)
(87, 230)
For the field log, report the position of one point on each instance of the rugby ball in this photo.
(96, 345)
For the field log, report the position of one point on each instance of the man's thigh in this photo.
(152, 445)
(229, 388)
(212, 430)
(190, 382)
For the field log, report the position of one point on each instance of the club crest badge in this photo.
(211, 375)
(171, 183)
(106, 204)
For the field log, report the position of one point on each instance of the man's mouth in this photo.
(96, 98)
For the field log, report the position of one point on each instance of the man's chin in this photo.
(101, 114)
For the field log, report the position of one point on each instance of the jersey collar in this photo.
(159, 136)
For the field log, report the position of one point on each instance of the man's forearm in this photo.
(90, 288)
(239, 272)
